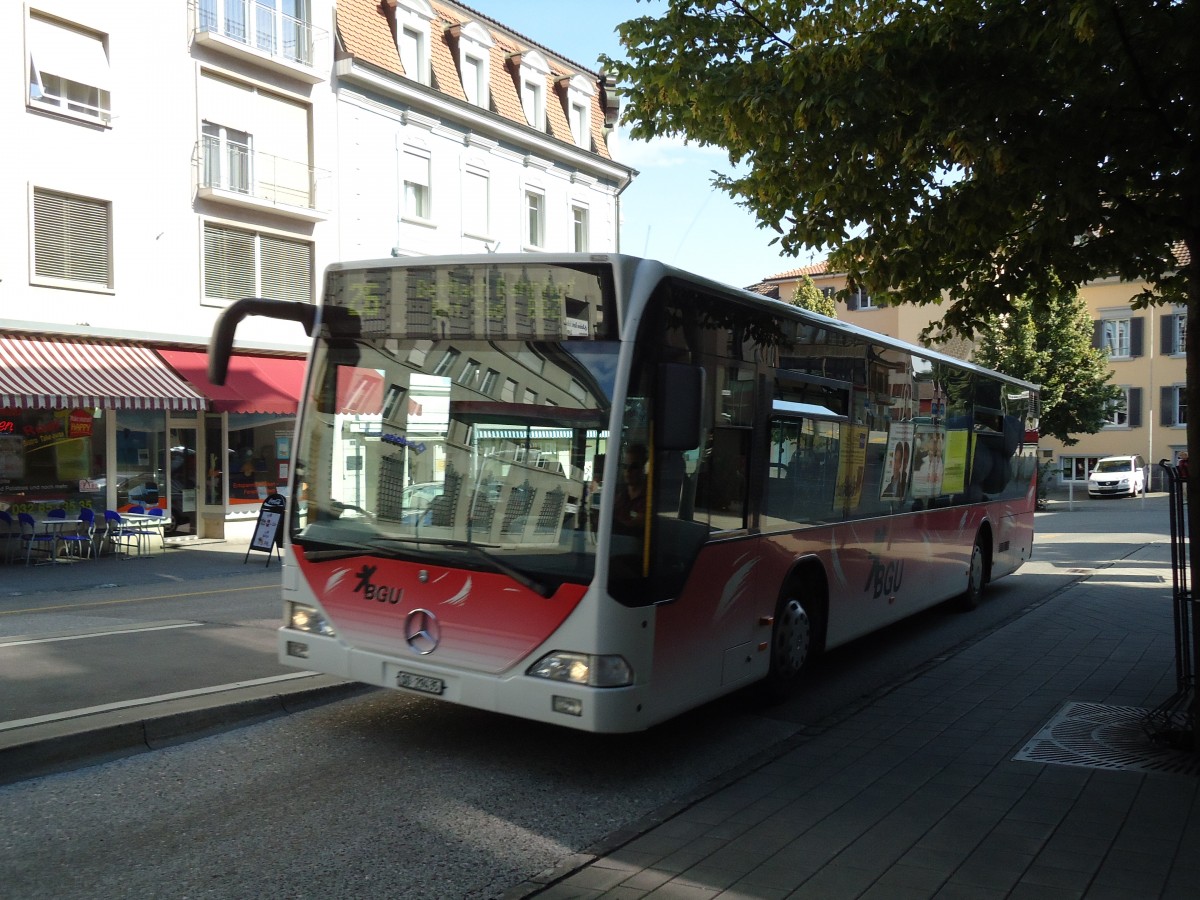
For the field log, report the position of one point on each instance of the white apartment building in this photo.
(164, 165)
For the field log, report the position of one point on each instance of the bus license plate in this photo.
(423, 683)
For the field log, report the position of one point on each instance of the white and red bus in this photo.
(597, 491)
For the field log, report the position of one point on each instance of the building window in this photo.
(227, 154)
(470, 372)
(859, 299)
(579, 224)
(68, 70)
(72, 239)
(579, 95)
(535, 210)
(417, 194)
(509, 392)
(529, 397)
(411, 44)
(239, 263)
(476, 203)
(1120, 337)
(533, 102)
(1076, 469)
(490, 380)
(1174, 405)
(532, 77)
(1174, 334)
(1126, 411)
(277, 29)
(446, 363)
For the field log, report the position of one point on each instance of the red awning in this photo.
(255, 384)
(44, 373)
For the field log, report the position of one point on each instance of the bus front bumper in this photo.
(610, 710)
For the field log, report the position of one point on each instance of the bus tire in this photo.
(977, 577)
(793, 645)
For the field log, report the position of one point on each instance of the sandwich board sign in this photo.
(268, 530)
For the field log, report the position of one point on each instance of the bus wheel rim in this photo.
(793, 637)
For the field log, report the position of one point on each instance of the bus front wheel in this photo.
(976, 577)
(791, 648)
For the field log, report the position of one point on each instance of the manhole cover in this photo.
(1096, 736)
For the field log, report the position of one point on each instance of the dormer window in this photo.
(412, 38)
(532, 72)
(579, 94)
(474, 54)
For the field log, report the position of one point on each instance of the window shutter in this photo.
(1166, 400)
(71, 237)
(852, 302)
(1167, 338)
(286, 269)
(1135, 407)
(228, 263)
(1136, 329)
(1098, 334)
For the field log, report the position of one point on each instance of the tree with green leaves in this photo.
(1047, 339)
(809, 296)
(955, 150)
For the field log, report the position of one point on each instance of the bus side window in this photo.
(721, 490)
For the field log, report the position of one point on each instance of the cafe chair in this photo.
(33, 539)
(136, 510)
(118, 535)
(83, 535)
(10, 534)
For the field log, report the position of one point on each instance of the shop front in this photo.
(85, 424)
(240, 452)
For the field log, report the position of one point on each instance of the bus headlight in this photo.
(308, 619)
(583, 668)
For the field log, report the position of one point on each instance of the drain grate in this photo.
(1096, 736)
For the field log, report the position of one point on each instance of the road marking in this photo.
(148, 701)
(99, 632)
(38, 609)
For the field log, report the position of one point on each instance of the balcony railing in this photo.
(234, 173)
(259, 27)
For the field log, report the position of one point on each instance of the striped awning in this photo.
(45, 373)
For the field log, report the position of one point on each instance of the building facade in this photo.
(1145, 349)
(167, 165)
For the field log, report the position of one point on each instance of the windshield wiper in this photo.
(522, 578)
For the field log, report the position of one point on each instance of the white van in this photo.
(1118, 476)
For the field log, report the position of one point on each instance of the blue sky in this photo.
(671, 212)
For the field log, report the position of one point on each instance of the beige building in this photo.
(1146, 348)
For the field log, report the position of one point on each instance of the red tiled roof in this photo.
(366, 34)
(814, 269)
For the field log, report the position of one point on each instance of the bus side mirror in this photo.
(678, 406)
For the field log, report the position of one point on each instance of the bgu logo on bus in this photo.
(884, 576)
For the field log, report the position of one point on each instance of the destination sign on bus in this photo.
(522, 301)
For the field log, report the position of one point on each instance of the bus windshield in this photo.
(478, 454)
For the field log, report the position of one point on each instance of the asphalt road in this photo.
(384, 795)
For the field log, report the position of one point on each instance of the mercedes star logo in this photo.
(422, 632)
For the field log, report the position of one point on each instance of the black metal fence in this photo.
(1175, 721)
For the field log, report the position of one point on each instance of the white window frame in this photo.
(71, 243)
(580, 228)
(1118, 411)
(534, 232)
(1117, 337)
(580, 93)
(477, 202)
(413, 18)
(534, 72)
(474, 58)
(266, 264)
(228, 158)
(1179, 325)
(68, 70)
(1178, 395)
(417, 184)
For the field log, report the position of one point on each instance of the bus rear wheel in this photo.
(791, 648)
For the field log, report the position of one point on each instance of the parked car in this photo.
(1118, 476)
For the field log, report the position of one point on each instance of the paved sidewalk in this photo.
(919, 792)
